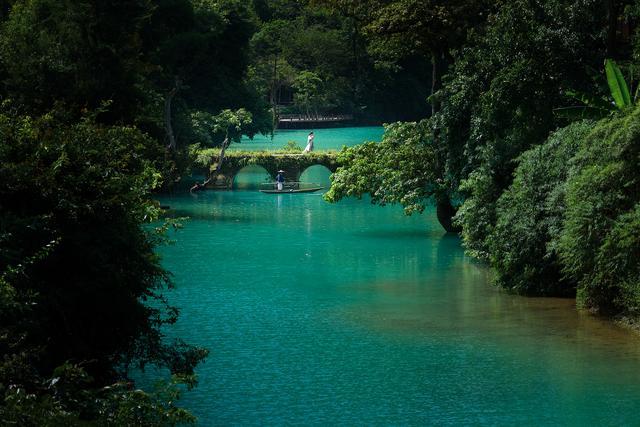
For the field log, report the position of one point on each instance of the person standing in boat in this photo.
(280, 180)
(309, 146)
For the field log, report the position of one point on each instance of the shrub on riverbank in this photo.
(499, 97)
(572, 218)
(523, 244)
(81, 289)
(600, 238)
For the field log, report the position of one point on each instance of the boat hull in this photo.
(290, 191)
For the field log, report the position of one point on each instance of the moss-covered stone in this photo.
(292, 163)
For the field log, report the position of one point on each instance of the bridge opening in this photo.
(317, 174)
(250, 177)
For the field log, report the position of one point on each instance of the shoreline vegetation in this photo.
(549, 200)
(518, 118)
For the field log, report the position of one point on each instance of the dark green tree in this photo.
(431, 29)
(599, 242)
(197, 56)
(50, 52)
(80, 280)
(523, 246)
(498, 101)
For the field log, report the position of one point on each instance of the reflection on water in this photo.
(355, 314)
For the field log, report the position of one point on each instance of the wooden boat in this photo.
(292, 190)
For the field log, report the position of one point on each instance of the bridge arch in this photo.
(294, 165)
(317, 174)
(250, 177)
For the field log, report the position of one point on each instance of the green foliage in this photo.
(67, 400)
(404, 27)
(617, 85)
(328, 39)
(523, 243)
(599, 243)
(119, 404)
(78, 55)
(596, 107)
(51, 51)
(306, 54)
(400, 169)
(204, 46)
(79, 278)
(272, 161)
(308, 91)
(212, 130)
(477, 215)
(292, 147)
(498, 100)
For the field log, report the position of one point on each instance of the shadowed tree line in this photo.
(99, 102)
(531, 151)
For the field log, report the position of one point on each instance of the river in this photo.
(354, 314)
(325, 139)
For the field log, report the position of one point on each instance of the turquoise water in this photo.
(325, 139)
(254, 177)
(352, 314)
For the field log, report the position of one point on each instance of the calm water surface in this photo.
(325, 139)
(352, 314)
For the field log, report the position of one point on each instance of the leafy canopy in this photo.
(400, 169)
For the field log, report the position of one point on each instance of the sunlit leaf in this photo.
(617, 84)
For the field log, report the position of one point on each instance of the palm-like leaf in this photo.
(581, 113)
(590, 100)
(617, 84)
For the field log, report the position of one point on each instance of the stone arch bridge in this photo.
(294, 164)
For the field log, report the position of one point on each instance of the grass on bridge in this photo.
(272, 161)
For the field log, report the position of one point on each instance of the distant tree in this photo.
(308, 96)
(222, 129)
(198, 56)
(270, 64)
(431, 28)
(356, 14)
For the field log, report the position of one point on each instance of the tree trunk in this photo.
(445, 212)
(274, 85)
(356, 60)
(612, 28)
(438, 66)
(225, 144)
(167, 115)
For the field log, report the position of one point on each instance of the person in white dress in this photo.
(309, 146)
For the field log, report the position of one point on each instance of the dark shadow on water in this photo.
(215, 217)
(449, 242)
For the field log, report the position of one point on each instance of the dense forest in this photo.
(532, 150)
(518, 119)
